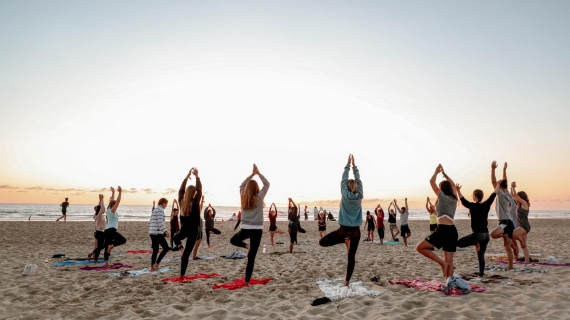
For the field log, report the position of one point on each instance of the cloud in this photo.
(98, 190)
(8, 187)
(78, 193)
(169, 191)
(35, 188)
(22, 191)
(147, 190)
(131, 190)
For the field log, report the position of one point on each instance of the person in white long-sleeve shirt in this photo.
(158, 233)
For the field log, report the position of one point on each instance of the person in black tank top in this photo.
(392, 222)
(371, 226)
(322, 222)
(273, 222)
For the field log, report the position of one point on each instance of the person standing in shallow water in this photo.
(64, 205)
(349, 217)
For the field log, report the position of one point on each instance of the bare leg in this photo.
(448, 256)
(425, 248)
(272, 233)
(509, 251)
(291, 248)
(392, 232)
(196, 246)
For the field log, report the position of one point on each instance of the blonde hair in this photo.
(249, 199)
(186, 205)
(352, 186)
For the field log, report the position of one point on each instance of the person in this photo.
(99, 234)
(404, 227)
(379, 212)
(316, 214)
(371, 227)
(432, 216)
(322, 223)
(273, 222)
(306, 214)
(445, 235)
(252, 215)
(174, 223)
(479, 214)
(521, 232)
(112, 237)
(209, 216)
(233, 217)
(349, 217)
(293, 224)
(392, 222)
(64, 205)
(502, 208)
(330, 217)
(189, 200)
(200, 232)
(158, 234)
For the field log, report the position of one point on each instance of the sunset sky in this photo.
(135, 93)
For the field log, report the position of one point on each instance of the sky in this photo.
(135, 93)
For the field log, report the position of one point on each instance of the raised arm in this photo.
(493, 177)
(182, 189)
(116, 205)
(406, 203)
(356, 173)
(344, 180)
(263, 192)
(432, 183)
(428, 203)
(213, 212)
(396, 207)
(198, 196)
(505, 172)
(523, 202)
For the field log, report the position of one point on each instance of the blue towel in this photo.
(74, 263)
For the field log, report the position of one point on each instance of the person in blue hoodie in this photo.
(349, 217)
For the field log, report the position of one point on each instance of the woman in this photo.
(349, 217)
(273, 222)
(158, 234)
(379, 212)
(371, 226)
(479, 213)
(112, 237)
(392, 222)
(189, 199)
(209, 215)
(100, 225)
(521, 233)
(174, 223)
(445, 235)
(404, 226)
(293, 224)
(432, 216)
(322, 222)
(252, 216)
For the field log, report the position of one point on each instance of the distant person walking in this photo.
(64, 205)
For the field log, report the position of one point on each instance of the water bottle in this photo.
(264, 248)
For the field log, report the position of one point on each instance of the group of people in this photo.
(185, 222)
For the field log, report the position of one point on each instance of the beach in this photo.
(68, 292)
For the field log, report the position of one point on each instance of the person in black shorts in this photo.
(502, 208)
(322, 222)
(273, 222)
(64, 205)
(392, 222)
(293, 224)
(371, 224)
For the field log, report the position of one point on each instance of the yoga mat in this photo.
(336, 290)
(69, 263)
(103, 268)
(240, 283)
(191, 278)
(433, 285)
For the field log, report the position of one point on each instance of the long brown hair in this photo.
(186, 205)
(249, 199)
(447, 188)
(524, 196)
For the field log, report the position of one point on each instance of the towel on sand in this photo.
(527, 270)
(68, 263)
(496, 279)
(191, 278)
(336, 290)
(240, 283)
(103, 268)
(551, 264)
(139, 251)
(433, 285)
(235, 255)
(140, 272)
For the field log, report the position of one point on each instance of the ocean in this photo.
(83, 212)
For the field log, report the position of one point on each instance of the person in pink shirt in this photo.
(379, 212)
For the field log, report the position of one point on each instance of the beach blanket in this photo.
(433, 285)
(139, 251)
(527, 270)
(240, 283)
(191, 278)
(140, 272)
(390, 242)
(167, 260)
(336, 290)
(235, 255)
(68, 263)
(497, 279)
(103, 268)
(204, 258)
(550, 264)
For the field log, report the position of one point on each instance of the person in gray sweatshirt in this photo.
(251, 218)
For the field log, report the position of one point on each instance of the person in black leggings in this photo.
(293, 223)
(479, 212)
(209, 215)
(252, 215)
(158, 234)
(349, 217)
(189, 199)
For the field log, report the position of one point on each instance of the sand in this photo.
(68, 292)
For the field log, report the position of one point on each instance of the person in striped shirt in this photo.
(158, 233)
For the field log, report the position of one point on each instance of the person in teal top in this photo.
(349, 217)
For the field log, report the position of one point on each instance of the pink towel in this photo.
(240, 283)
(190, 278)
(103, 268)
(433, 285)
(139, 251)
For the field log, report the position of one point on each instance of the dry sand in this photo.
(67, 292)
